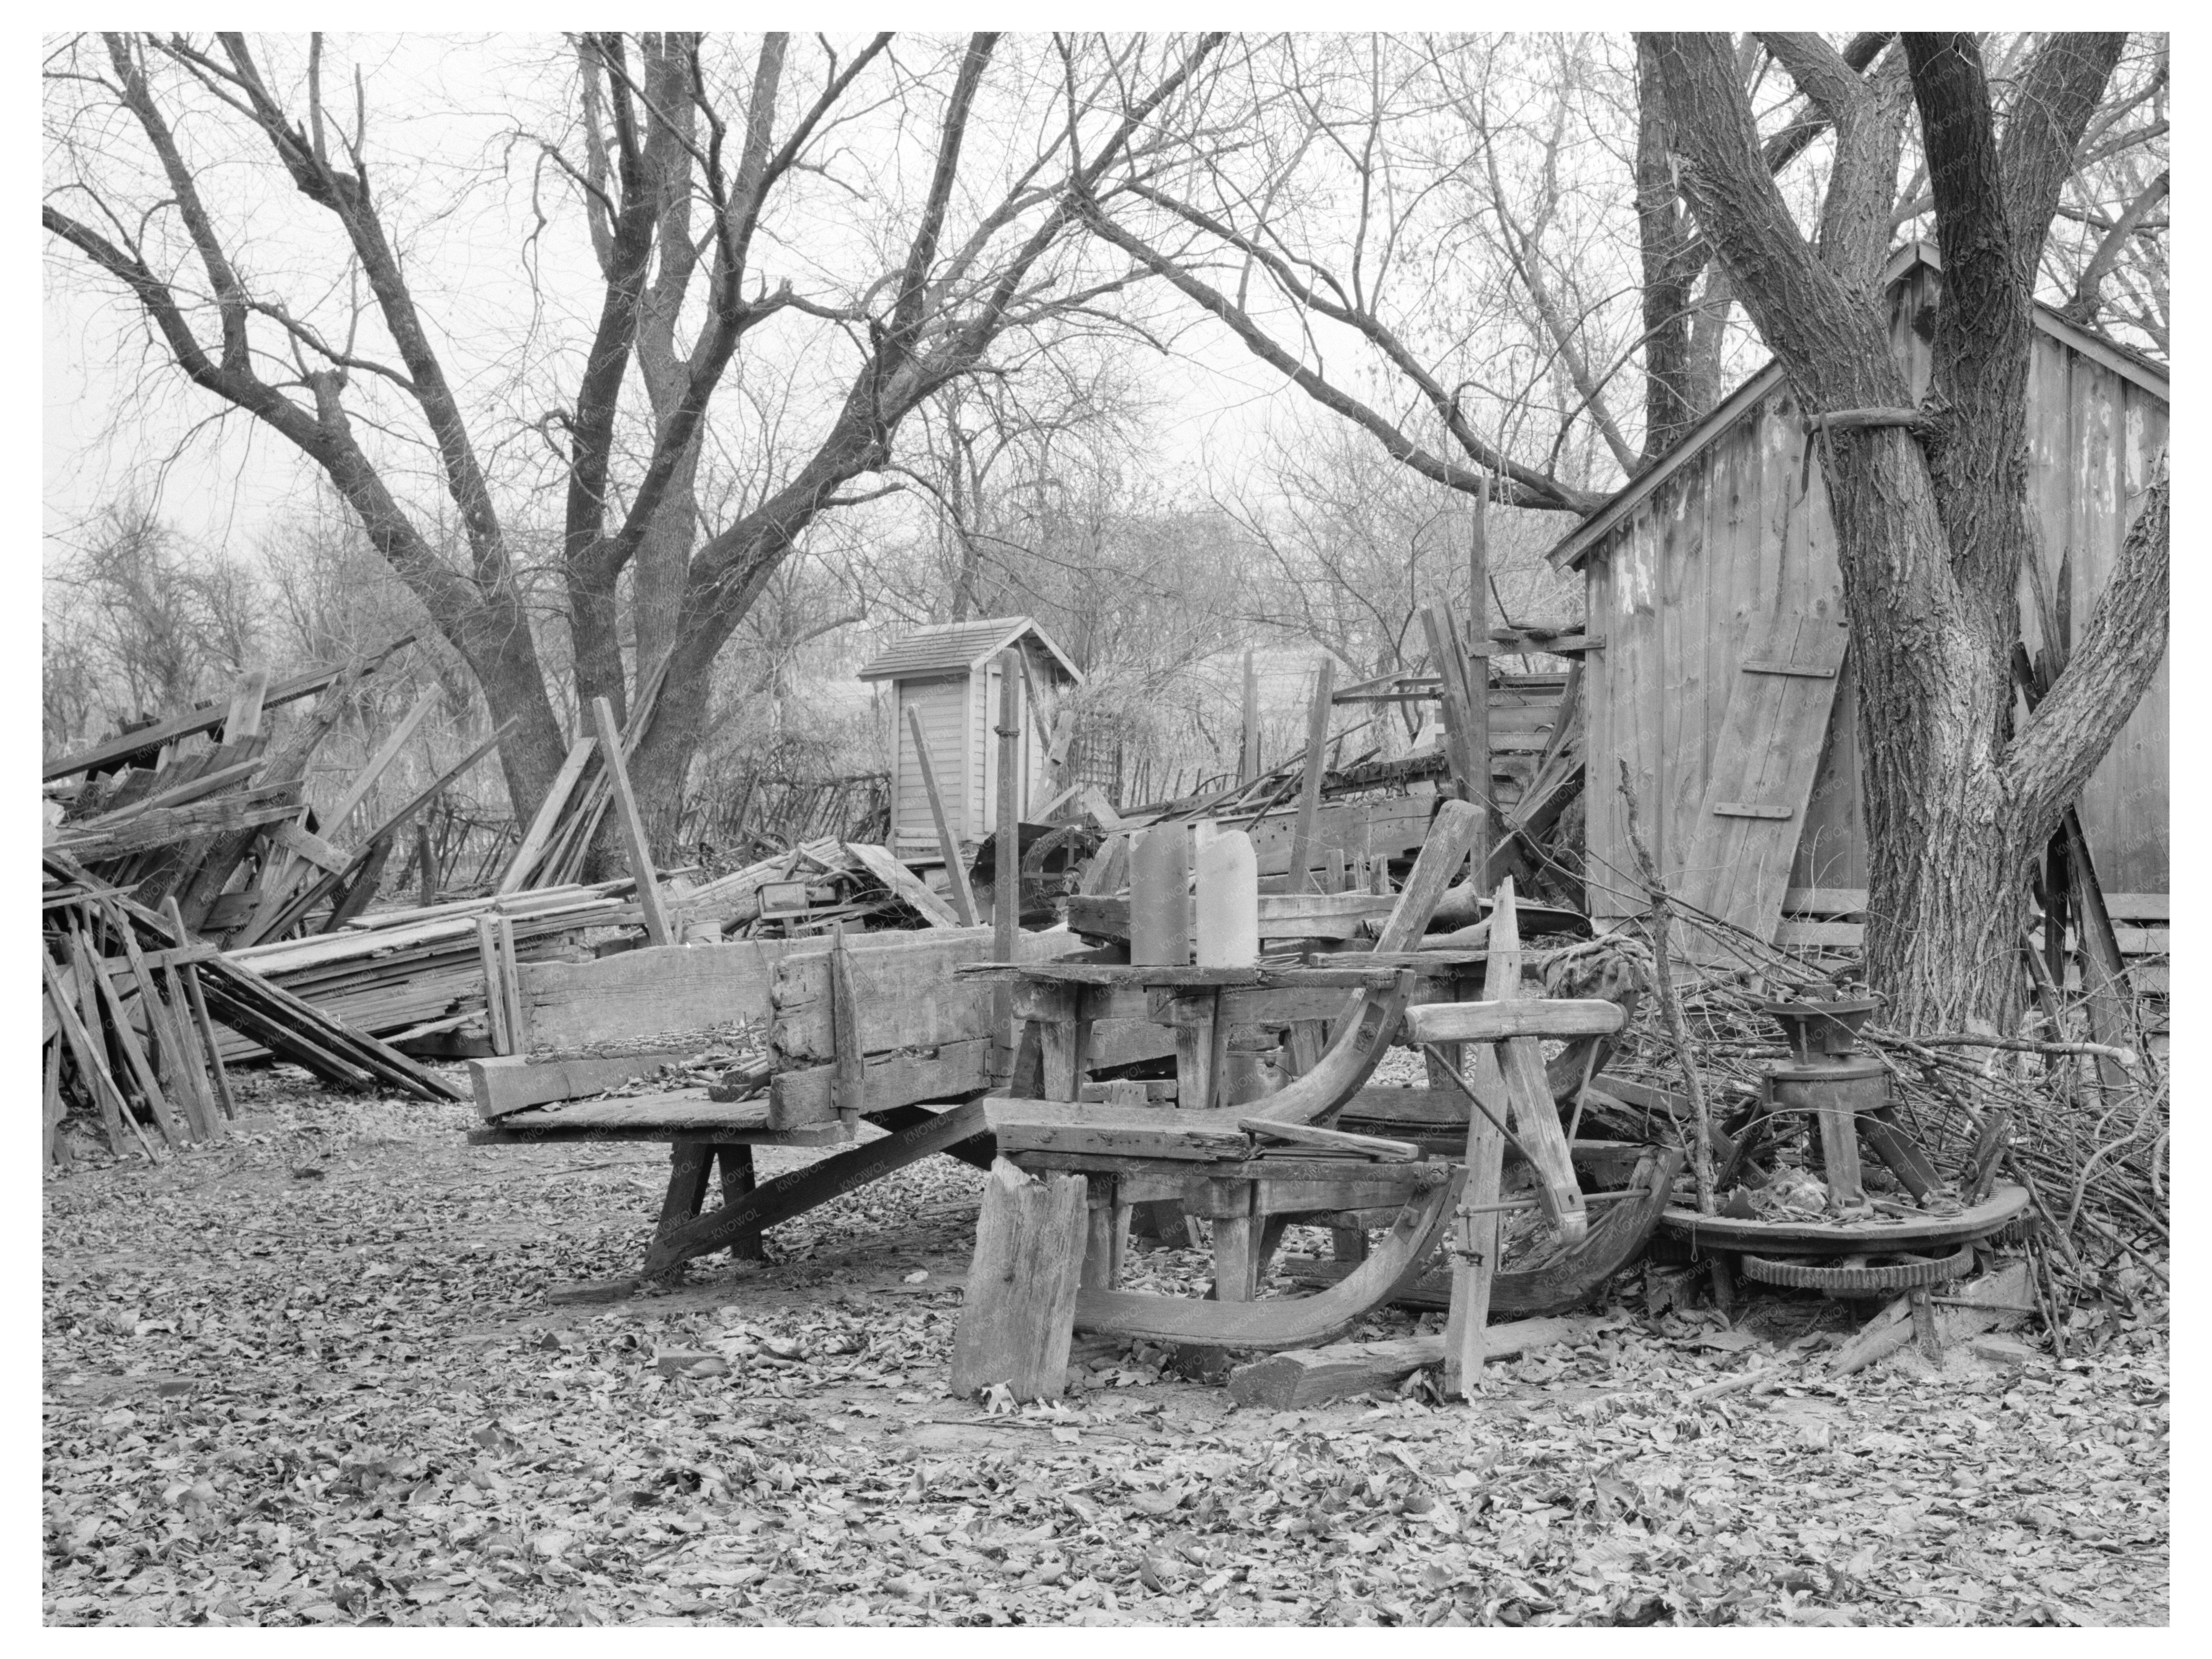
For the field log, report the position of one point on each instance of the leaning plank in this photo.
(1311, 1376)
(631, 824)
(904, 884)
(532, 847)
(1016, 1316)
(948, 844)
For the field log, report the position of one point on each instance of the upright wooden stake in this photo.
(1248, 770)
(1477, 680)
(1006, 872)
(495, 987)
(632, 826)
(1006, 900)
(1316, 764)
(948, 847)
(848, 1074)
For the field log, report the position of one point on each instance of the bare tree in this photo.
(685, 163)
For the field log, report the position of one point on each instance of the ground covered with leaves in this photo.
(310, 1375)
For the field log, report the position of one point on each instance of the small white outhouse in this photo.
(949, 674)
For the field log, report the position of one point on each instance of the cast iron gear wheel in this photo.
(1902, 1273)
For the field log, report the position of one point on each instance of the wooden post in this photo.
(1017, 1313)
(426, 861)
(736, 1162)
(1249, 767)
(495, 987)
(948, 847)
(1477, 676)
(1005, 898)
(632, 826)
(510, 974)
(1317, 763)
(849, 1070)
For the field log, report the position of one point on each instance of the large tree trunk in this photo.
(1931, 518)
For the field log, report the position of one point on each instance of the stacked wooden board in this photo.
(393, 972)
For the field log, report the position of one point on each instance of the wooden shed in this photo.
(949, 674)
(1712, 580)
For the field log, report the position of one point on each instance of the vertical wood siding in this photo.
(1740, 536)
(941, 701)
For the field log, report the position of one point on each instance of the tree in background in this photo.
(138, 621)
(699, 166)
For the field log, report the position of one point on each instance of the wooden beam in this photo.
(631, 825)
(508, 1083)
(948, 844)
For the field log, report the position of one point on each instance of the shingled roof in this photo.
(942, 647)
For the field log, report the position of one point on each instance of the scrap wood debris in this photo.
(361, 1412)
(2095, 1157)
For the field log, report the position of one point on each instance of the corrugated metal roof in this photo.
(1575, 546)
(947, 648)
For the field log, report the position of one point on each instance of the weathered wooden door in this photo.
(1743, 841)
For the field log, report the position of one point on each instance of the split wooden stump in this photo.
(1017, 1319)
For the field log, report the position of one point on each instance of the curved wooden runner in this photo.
(1562, 1277)
(1285, 1322)
(1026, 1125)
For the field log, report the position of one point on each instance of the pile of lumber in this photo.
(130, 1022)
(406, 975)
(206, 811)
(855, 884)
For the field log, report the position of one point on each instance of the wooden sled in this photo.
(1283, 1323)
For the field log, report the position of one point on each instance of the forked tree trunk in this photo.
(1931, 518)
